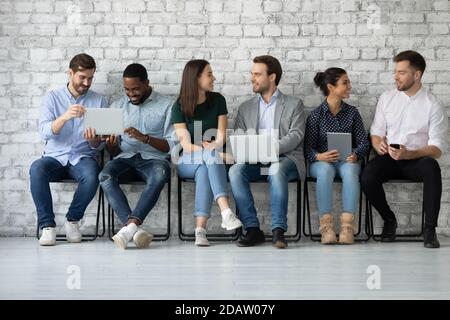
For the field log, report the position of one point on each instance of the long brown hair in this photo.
(189, 86)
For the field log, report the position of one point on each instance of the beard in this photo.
(260, 89)
(405, 86)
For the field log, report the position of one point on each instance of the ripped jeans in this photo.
(153, 171)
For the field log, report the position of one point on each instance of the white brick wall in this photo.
(38, 38)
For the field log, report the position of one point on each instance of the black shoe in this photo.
(389, 229)
(253, 237)
(278, 240)
(430, 239)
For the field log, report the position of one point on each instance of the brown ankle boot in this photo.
(327, 229)
(346, 236)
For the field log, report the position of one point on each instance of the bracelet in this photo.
(148, 139)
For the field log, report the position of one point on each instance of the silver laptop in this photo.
(254, 148)
(340, 141)
(105, 121)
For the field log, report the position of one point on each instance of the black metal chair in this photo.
(307, 210)
(191, 236)
(298, 224)
(100, 209)
(413, 237)
(132, 178)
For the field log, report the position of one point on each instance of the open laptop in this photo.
(254, 148)
(105, 121)
(340, 141)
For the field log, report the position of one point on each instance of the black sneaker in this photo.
(253, 237)
(278, 239)
(389, 229)
(430, 239)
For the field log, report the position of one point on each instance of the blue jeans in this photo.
(240, 177)
(48, 169)
(210, 174)
(325, 172)
(154, 172)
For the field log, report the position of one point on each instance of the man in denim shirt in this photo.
(70, 151)
(143, 148)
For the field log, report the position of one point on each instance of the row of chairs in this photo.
(131, 178)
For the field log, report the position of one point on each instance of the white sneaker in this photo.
(229, 220)
(200, 237)
(48, 237)
(73, 233)
(125, 235)
(142, 239)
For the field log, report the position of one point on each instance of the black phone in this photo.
(395, 145)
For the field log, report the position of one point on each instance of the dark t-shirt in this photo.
(207, 113)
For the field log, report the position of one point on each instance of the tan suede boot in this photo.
(327, 229)
(346, 236)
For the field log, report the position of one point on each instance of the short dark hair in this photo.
(329, 76)
(82, 61)
(136, 70)
(416, 60)
(273, 66)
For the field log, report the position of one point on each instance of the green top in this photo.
(206, 116)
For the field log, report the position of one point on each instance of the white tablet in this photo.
(105, 121)
(340, 141)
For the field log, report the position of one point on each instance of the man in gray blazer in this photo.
(269, 110)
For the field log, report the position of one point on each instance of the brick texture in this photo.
(38, 38)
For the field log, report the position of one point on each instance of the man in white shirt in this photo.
(408, 133)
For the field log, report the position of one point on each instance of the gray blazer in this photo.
(289, 120)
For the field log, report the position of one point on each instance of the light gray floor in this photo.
(179, 270)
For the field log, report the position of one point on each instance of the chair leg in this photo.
(417, 237)
(165, 236)
(304, 210)
(298, 231)
(368, 236)
(191, 236)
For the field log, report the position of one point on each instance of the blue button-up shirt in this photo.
(69, 145)
(151, 117)
(267, 113)
(321, 121)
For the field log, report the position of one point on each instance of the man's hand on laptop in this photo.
(329, 156)
(136, 134)
(74, 111)
(93, 139)
(112, 141)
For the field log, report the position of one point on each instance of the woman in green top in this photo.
(200, 121)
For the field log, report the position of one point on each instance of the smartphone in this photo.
(395, 145)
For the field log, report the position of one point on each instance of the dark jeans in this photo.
(154, 172)
(48, 169)
(384, 168)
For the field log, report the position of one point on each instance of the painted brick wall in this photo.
(38, 38)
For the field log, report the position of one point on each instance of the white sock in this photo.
(226, 213)
(132, 227)
(200, 229)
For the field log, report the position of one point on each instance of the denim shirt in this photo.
(152, 117)
(69, 146)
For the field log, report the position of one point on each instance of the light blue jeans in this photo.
(325, 172)
(210, 174)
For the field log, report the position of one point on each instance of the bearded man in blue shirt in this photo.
(70, 151)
